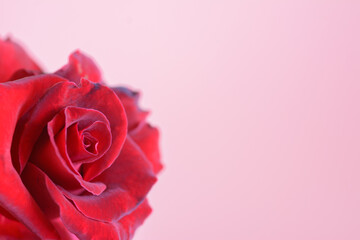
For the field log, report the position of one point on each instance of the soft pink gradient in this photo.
(258, 102)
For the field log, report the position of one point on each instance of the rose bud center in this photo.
(90, 143)
(74, 138)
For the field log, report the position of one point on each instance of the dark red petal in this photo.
(14, 230)
(12, 58)
(147, 138)
(130, 100)
(19, 96)
(78, 224)
(23, 73)
(128, 181)
(80, 66)
(129, 223)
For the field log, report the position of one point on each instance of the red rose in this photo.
(77, 157)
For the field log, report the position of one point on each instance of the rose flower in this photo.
(77, 158)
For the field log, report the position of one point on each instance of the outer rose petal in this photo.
(147, 138)
(19, 97)
(80, 66)
(130, 100)
(129, 223)
(13, 58)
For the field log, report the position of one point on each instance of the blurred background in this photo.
(257, 101)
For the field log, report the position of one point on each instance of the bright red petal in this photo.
(128, 224)
(80, 66)
(14, 230)
(12, 58)
(147, 138)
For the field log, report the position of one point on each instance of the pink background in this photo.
(258, 103)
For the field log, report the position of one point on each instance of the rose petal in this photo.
(12, 58)
(84, 228)
(130, 100)
(129, 223)
(147, 138)
(14, 230)
(19, 96)
(26, 93)
(80, 66)
(128, 181)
